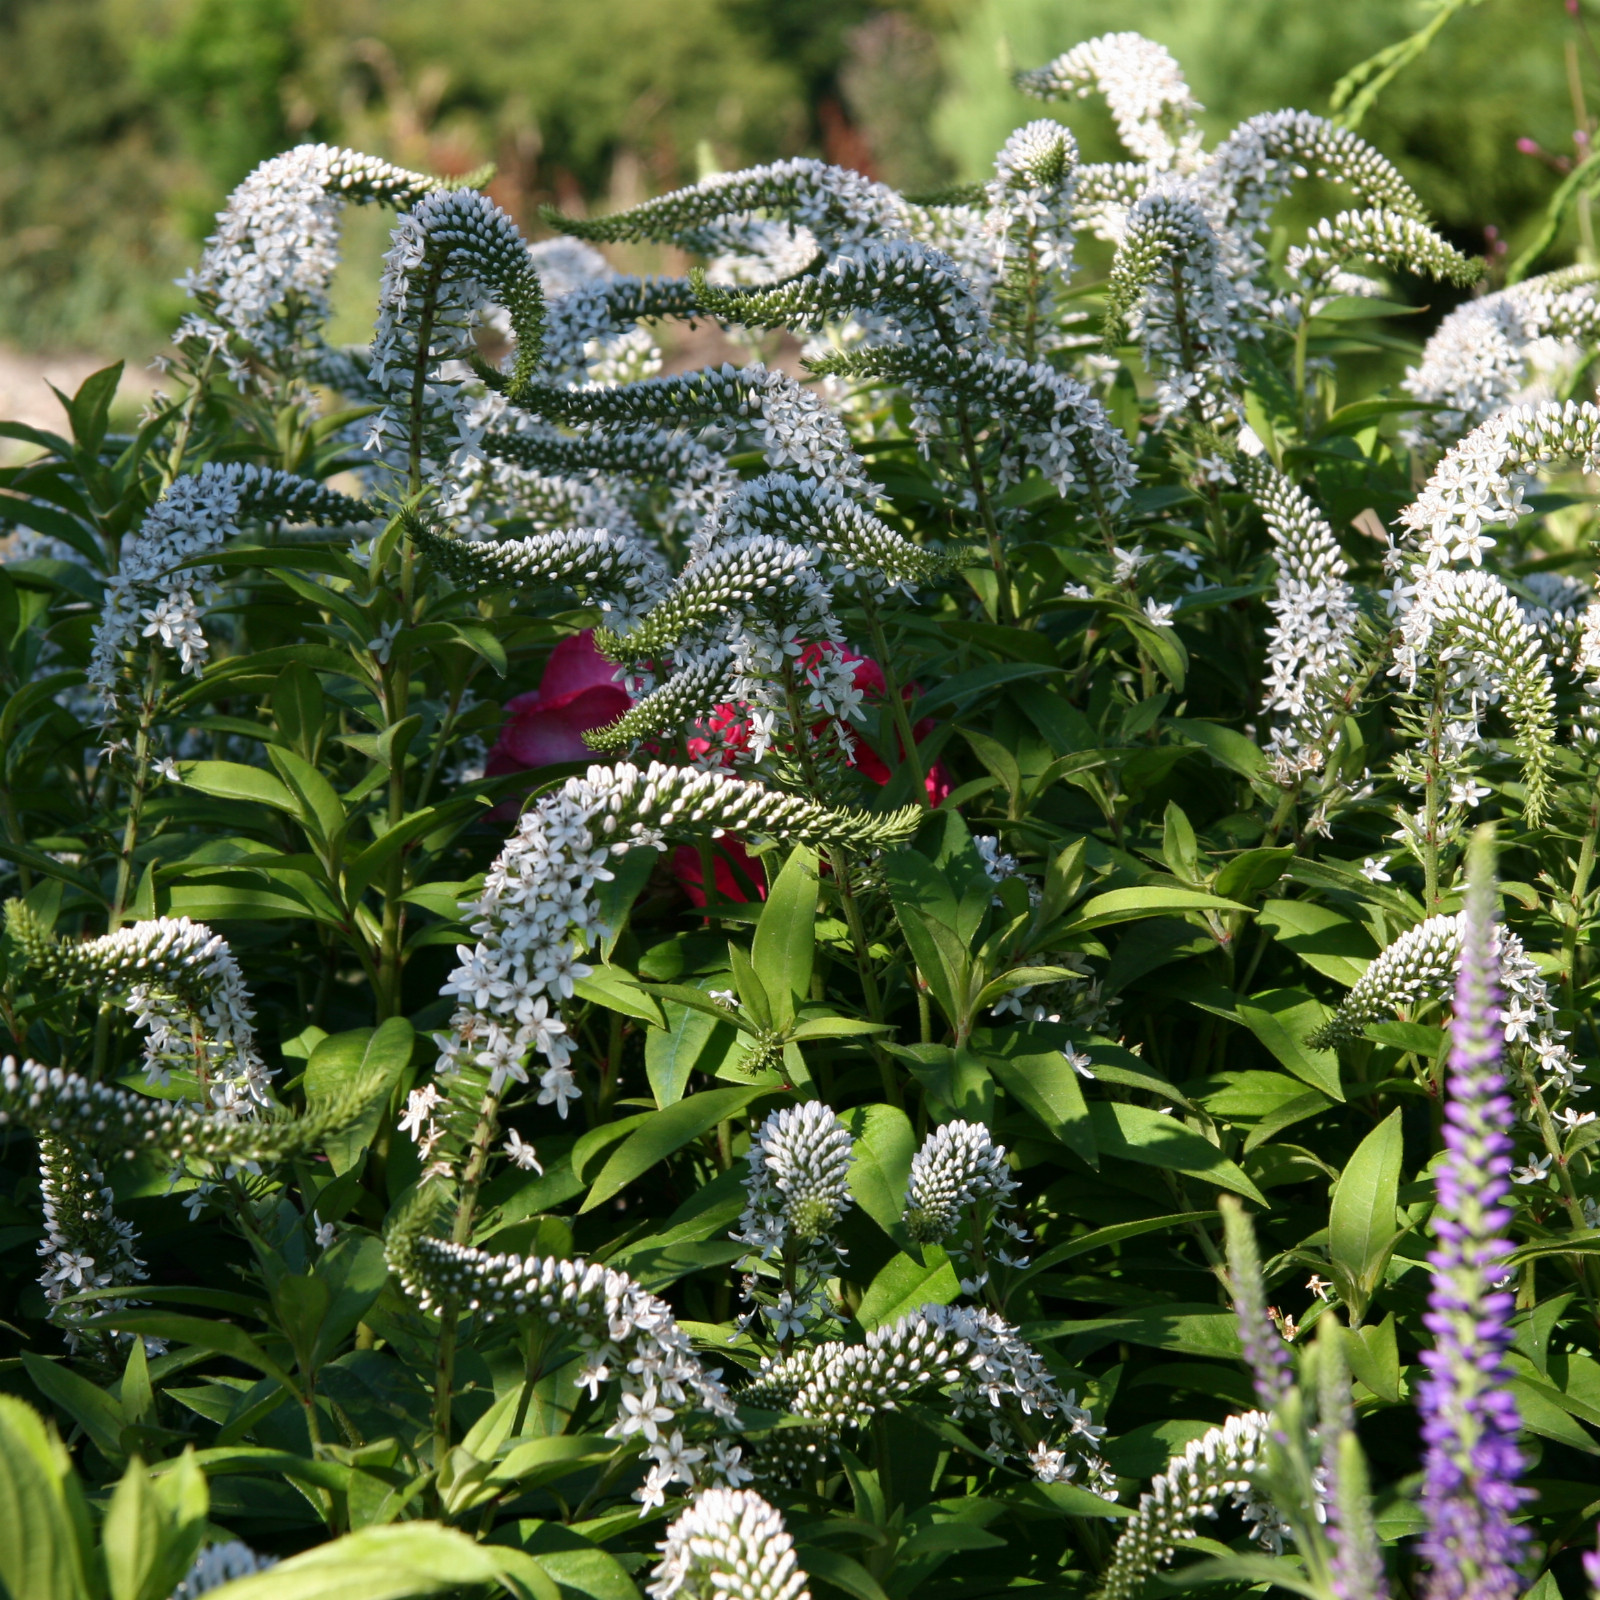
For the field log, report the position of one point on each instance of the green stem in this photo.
(1430, 837)
(1005, 611)
(897, 706)
(483, 1137)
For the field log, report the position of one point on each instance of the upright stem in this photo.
(483, 1137)
(1005, 611)
(897, 706)
(1580, 893)
(1430, 839)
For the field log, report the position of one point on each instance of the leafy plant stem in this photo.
(897, 706)
(1005, 611)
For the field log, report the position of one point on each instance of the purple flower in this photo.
(1469, 1419)
(1260, 1342)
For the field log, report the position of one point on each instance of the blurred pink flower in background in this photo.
(578, 692)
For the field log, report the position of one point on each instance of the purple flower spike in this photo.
(1469, 1419)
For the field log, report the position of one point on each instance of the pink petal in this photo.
(574, 667)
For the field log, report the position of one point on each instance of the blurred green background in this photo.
(124, 123)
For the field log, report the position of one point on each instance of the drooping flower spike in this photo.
(183, 985)
(154, 596)
(1143, 86)
(1222, 1463)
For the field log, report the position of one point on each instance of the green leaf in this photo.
(86, 1403)
(786, 934)
(881, 1170)
(833, 1567)
(371, 1059)
(44, 1550)
(393, 1563)
(1251, 871)
(693, 1040)
(318, 805)
(231, 780)
(1373, 1353)
(1156, 900)
(154, 1528)
(1362, 1231)
(1226, 746)
(621, 992)
(1283, 1020)
(583, 1570)
(906, 1285)
(1028, 1063)
(661, 1134)
(1101, 1238)
(1134, 1133)
(221, 1337)
(90, 408)
(1327, 941)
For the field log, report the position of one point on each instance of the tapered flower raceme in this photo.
(799, 1180)
(626, 1334)
(1385, 238)
(1412, 972)
(1259, 1339)
(958, 1165)
(153, 596)
(1057, 425)
(729, 1545)
(797, 430)
(183, 985)
(1106, 191)
(1473, 617)
(1469, 1417)
(265, 273)
(98, 1117)
(835, 205)
(593, 333)
(1256, 165)
(452, 256)
(912, 287)
(1143, 86)
(1314, 622)
(538, 912)
(1419, 969)
(732, 582)
(1479, 481)
(700, 682)
(975, 1354)
(86, 1244)
(858, 545)
(615, 571)
(1356, 1555)
(1490, 352)
(699, 478)
(1221, 1463)
(1171, 287)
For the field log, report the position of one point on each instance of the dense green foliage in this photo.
(585, 936)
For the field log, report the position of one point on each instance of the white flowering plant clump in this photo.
(624, 979)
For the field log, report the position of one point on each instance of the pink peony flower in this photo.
(578, 692)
